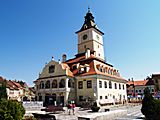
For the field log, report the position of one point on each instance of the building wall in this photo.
(115, 94)
(139, 90)
(15, 94)
(86, 92)
(156, 78)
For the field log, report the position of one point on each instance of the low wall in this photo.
(104, 115)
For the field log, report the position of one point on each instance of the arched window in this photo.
(47, 85)
(101, 68)
(110, 84)
(62, 83)
(42, 85)
(114, 72)
(109, 71)
(54, 84)
(69, 83)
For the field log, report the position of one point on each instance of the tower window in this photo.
(99, 54)
(80, 84)
(123, 87)
(100, 84)
(85, 47)
(110, 84)
(89, 84)
(105, 84)
(115, 85)
(119, 86)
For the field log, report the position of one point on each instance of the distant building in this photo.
(135, 89)
(85, 77)
(156, 78)
(15, 90)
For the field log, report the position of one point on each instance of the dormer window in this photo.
(74, 67)
(51, 69)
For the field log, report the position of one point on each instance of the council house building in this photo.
(85, 77)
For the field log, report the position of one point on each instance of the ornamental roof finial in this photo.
(89, 9)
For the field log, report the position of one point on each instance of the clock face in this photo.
(85, 37)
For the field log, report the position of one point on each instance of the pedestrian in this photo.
(73, 107)
(69, 107)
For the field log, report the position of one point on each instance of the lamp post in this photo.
(133, 88)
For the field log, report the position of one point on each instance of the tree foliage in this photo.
(3, 92)
(150, 106)
(11, 110)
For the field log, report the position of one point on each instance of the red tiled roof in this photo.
(75, 60)
(93, 67)
(10, 85)
(67, 68)
(138, 82)
(16, 84)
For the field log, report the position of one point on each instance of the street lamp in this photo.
(133, 88)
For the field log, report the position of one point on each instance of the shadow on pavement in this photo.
(142, 118)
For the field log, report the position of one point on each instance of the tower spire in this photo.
(89, 22)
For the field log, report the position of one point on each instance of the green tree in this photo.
(150, 106)
(3, 93)
(11, 110)
(147, 104)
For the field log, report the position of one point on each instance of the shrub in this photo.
(11, 110)
(94, 107)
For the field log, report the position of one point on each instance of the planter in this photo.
(95, 109)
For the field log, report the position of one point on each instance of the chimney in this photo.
(88, 53)
(52, 58)
(59, 61)
(64, 57)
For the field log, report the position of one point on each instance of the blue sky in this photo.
(32, 31)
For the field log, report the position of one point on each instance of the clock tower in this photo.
(90, 37)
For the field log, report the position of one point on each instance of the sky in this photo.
(32, 31)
